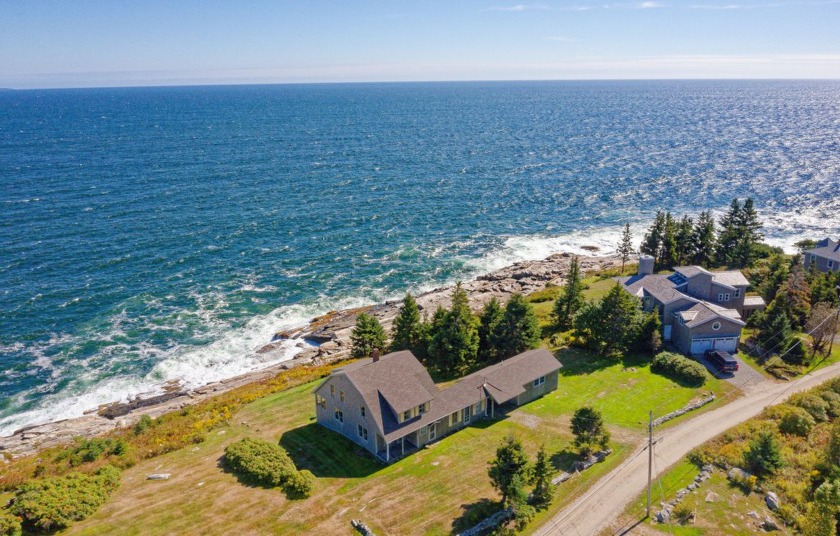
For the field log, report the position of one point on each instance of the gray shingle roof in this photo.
(733, 278)
(827, 248)
(502, 381)
(703, 312)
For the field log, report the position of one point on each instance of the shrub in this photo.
(299, 484)
(143, 424)
(833, 400)
(55, 503)
(259, 461)
(683, 514)
(763, 456)
(679, 368)
(813, 404)
(9, 525)
(796, 421)
(90, 450)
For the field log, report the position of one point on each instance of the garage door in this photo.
(727, 344)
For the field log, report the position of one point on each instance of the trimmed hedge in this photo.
(55, 503)
(264, 463)
(679, 368)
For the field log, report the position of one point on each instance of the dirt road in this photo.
(599, 507)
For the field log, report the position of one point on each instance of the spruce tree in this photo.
(703, 240)
(775, 332)
(764, 456)
(543, 471)
(409, 331)
(589, 430)
(652, 241)
(510, 461)
(571, 298)
(454, 340)
(612, 325)
(668, 252)
(727, 239)
(488, 331)
(625, 246)
(518, 329)
(797, 297)
(777, 273)
(684, 238)
(366, 335)
(748, 229)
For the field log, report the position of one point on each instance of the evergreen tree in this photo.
(652, 241)
(519, 329)
(684, 237)
(727, 239)
(797, 297)
(543, 489)
(748, 228)
(668, 253)
(625, 246)
(775, 332)
(777, 274)
(409, 332)
(510, 461)
(703, 240)
(650, 334)
(571, 298)
(612, 325)
(453, 347)
(517, 499)
(366, 335)
(763, 456)
(488, 331)
(589, 430)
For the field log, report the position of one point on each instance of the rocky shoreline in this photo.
(323, 340)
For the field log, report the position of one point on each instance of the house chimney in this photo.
(374, 354)
(645, 265)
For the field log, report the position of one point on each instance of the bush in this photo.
(9, 525)
(683, 514)
(55, 503)
(143, 424)
(813, 404)
(679, 368)
(796, 421)
(90, 450)
(833, 400)
(299, 484)
(259, 461)
(763, 456)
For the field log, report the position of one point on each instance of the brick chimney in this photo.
(374, 354)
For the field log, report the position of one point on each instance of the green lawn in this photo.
(434, 491)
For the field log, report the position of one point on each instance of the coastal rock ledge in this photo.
(323, 340)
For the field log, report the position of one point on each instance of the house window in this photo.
(323, 403)
(455, 417)
(362, 411)
(813, 259)
(421, 409)
(332, 391)
(341, 394)
(716, 326)
(339, 415)
(539, 381)
(720, 297)
(682, 321)
(363, 432)
(737, 293)
(830, 264)
(726, 297)
(406, 415)
(467, 413)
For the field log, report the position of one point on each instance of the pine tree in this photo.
(764, 456)
(703, 240)
(454, 339)
(589, 430)
(519, 329)
(748, 229)
(625, 246)
(488, 331)
(571, 298)
(727, 239)
(652, 241)
(543, 489)
(510, 461)
(409, 332)
(366, 335)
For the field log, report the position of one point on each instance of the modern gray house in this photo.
(390, 406)
(825, 257)
(699, 309)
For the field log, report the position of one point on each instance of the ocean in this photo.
(152, 234)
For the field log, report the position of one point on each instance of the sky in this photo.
(95, 43)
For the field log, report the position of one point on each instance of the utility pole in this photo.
(650, 460)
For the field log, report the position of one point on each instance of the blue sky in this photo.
(88, 43)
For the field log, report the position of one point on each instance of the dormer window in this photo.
(720, 297)
(406, 415)
(421, 409)
(737, 293)
(830, 264)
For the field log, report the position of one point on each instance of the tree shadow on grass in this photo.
(564, 460)
(327, 454)
(578, 361)
(474, 513)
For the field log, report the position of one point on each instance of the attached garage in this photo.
(727, 344)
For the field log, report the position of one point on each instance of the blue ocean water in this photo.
(149, 234)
